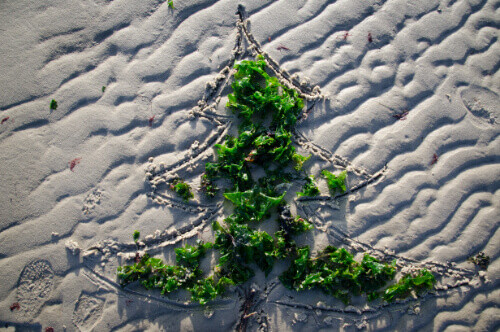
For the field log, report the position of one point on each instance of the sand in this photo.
(403, 94)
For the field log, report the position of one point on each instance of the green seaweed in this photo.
(208, 186)
(190, 256)
(256, 95)
(53, 104)
(414, 282)
(335, 272)
(309, 189)
(208, 289)
(299, 160)
(252, 205)
(239, 246)
(268, 111)
(336, 183)
(292, 225)
(153, 273)
(136, 235)
(182, 189)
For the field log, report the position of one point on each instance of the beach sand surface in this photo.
(402, 94)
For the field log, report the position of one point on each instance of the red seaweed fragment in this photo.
(151, 119)
(434, 159)
(73, 163)
(5, 119)
(346, 34)
(15, 306)
(401, 116)
(281, 47)
(137, 258)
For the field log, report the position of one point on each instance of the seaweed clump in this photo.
(53, 104)
(182, 189)
(410, 283)
(336, 183)
(480, 260)
(268, 112)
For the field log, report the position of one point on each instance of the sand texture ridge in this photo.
(403, 95)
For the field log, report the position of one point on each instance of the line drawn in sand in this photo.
(251, 298)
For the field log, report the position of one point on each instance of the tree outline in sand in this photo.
(207, 109)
